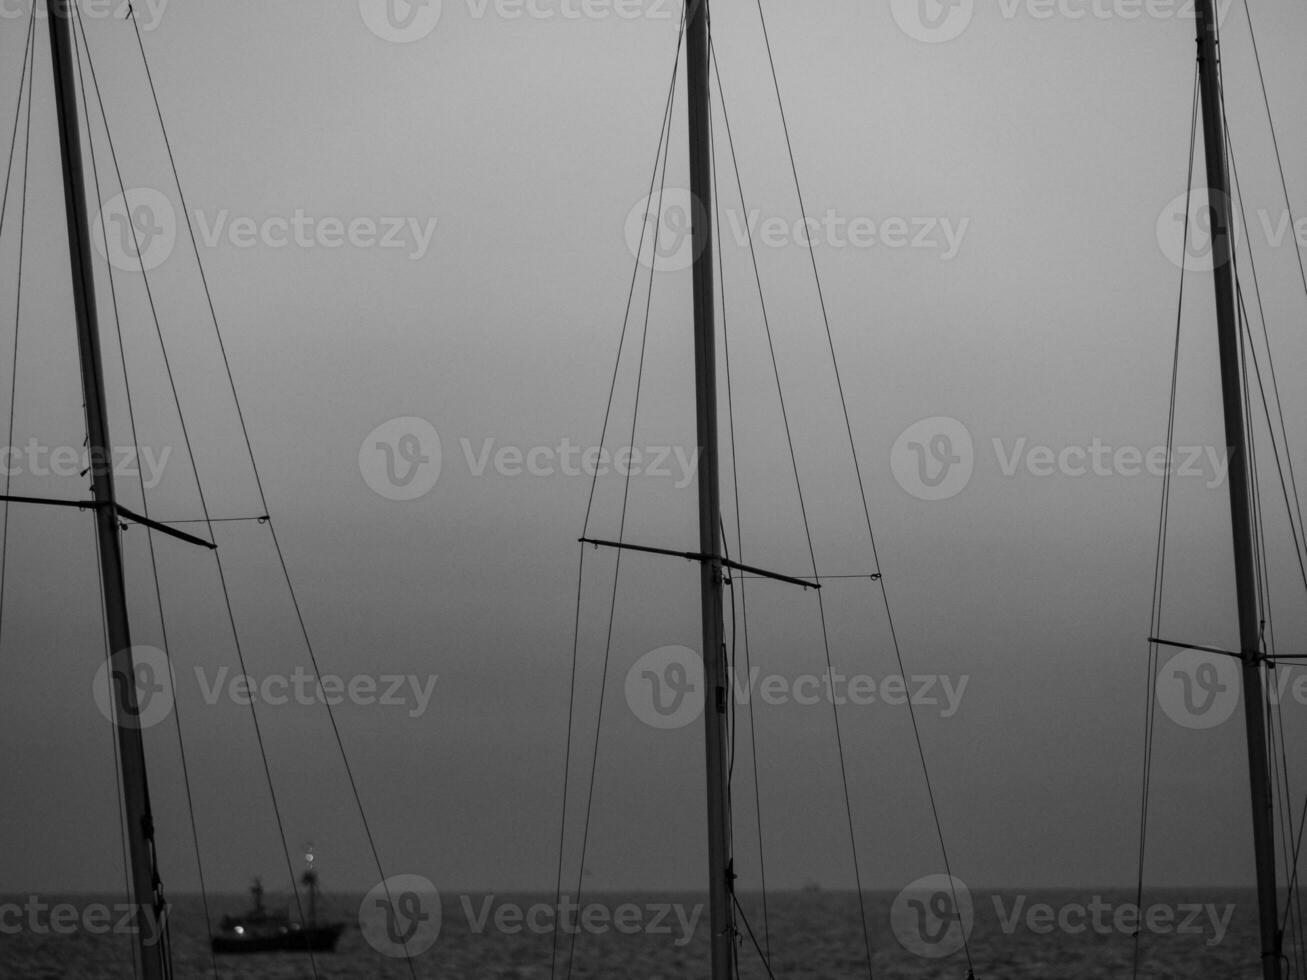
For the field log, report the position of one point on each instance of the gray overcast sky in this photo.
(1055, 142)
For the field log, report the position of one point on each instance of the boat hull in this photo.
(319, 939)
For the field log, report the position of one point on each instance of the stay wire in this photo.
(1275, 142)
(1284, 468)
(857, 467)
(1163, 527)
(739, 539)
(29, 73)
(258, 481)
(28, 64)
(839, 740)
(635, 412)
(230, 611)
(121, 810)
(79, 43)
(580, 571)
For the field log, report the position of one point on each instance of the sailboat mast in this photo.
(720, 871)
(122, 694)
(1254, 700)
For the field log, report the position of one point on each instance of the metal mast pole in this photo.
(720, 870)
(1254, 700)
(131, 748)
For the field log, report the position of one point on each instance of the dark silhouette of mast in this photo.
(146, 891)
(1254, 700)
(711, 567)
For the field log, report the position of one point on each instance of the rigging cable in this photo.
(1163, 526)
(765, 950)
(231, 615)
(660, 157)
(866, 936)
(29, 70)
(258, 481)
(26, 78)
(1275, 142)
(862, 491)
(79, 43)
(1288, 487)
(28, 63)
(117, 761)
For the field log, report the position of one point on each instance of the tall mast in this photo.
(1254, 701)
(131, 748)
(720, 871)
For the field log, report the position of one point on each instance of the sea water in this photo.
(1068, 935)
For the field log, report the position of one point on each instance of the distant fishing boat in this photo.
(262, 931)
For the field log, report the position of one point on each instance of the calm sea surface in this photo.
(813, 936)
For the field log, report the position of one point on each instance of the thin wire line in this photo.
(663, 131)
(28, 63)
(739, 539)
(798, 483)
(621, 531)
(29, 57)
(1159, 556)
(258, 481)
(222, 579)
(145, 504)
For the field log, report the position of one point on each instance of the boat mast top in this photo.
(139, 826)
(1232, 390)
